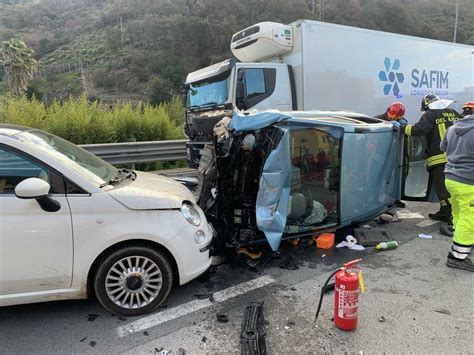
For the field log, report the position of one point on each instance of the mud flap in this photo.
(274, 192)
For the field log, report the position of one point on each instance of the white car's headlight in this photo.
(190, 214)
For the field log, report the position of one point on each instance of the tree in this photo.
(19, 64)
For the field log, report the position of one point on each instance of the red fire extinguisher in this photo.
(346, 295)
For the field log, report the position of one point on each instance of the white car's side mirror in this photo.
(35, 188)
(32, 188)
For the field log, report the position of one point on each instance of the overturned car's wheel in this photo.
(133, 280)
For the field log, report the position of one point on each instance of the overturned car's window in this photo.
(314, 178)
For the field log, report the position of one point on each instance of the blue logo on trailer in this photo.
(391, 76)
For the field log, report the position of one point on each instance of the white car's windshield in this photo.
(71, 155)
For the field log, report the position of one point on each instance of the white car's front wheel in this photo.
(133, 280)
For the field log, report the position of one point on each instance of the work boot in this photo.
(444, 215)
(447, 230)
(463, 264)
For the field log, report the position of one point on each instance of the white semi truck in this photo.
(311, 65)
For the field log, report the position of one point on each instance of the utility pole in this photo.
(312, 6)
(320, 10)
(456, 22)
(121, 31)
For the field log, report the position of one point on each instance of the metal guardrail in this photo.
(139, 152)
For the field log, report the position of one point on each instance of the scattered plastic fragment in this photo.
(351, 243)
(222, 318)
(443, 311)
(425, 236)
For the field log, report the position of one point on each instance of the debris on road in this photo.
(82, 340)
(382, 319)
(289, 263)
(204, 339)
(145, 333)
(201, 296)
(350, 243)
(389, 217)
(442, 311)
(92, 317)
(252, 337)
(425, 236)
(371, 237)
(387, 245)
(92, 343)
(325, 240)
(222, 318)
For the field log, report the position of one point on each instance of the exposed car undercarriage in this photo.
(230, 171)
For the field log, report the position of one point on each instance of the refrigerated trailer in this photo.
(311, 65)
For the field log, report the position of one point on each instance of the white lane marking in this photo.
(192, 306)
(426, 223)
(407, 215)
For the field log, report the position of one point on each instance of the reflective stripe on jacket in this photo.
(433, 124)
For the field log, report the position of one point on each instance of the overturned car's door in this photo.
(417, 184)
(300, 183)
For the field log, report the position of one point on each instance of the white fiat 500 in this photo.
(72, 225)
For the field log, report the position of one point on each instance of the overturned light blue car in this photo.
(270, 176)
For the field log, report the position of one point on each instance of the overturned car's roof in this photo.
(254, 120)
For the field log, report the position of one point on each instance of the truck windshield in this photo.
(212, 91)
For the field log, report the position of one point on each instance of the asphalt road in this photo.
(413, 303)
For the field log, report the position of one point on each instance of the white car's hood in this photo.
(151, 191)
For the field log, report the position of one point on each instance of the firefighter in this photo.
(395, 112)
(459, 171)
(468, 109)
(433, 125)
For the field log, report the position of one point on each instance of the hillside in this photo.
(142, 49)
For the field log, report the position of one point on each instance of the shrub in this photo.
(83, 122)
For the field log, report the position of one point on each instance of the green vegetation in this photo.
(141, 50)
(18, 63)
(81, 122)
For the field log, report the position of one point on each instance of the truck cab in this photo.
(214, 92)
(255, 83)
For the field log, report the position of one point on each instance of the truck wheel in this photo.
(133, 280)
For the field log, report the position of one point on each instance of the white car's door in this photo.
(36, 246)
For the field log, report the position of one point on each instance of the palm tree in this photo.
(19, 64)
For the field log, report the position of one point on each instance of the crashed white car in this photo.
(72, 225)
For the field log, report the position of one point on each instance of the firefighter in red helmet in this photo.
(395, 112)
(468, 109)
